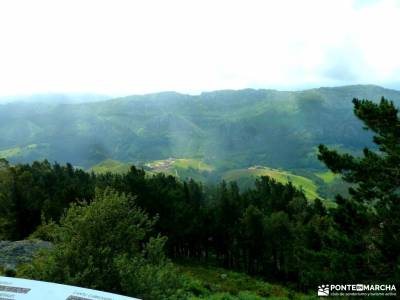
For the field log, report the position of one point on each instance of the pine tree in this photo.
(370, 217)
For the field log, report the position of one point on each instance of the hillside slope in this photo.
(246, 177)
(227, 129)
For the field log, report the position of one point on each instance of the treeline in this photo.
(256, 231)
(271, 230)
(32, 192)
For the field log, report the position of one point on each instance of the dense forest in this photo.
(126, 233)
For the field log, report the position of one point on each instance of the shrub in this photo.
(107, 245)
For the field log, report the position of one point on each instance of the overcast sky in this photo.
(129, 47)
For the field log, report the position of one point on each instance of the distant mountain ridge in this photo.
(227, 129)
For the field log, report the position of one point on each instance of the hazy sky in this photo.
(130, 47)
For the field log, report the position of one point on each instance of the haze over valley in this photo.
(225, 129)
(201, 150)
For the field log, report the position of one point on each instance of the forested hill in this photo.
(228, 129)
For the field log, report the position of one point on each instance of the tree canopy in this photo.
(372, 212)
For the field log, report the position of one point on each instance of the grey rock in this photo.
(13, 253)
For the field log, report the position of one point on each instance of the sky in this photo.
(121, 47)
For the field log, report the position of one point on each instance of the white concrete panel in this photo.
(23, 289)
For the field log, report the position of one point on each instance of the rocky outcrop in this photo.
(17, 252)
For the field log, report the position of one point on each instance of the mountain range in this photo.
(228, 129)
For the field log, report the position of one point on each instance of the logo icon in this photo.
(323, 290)
(360, 287)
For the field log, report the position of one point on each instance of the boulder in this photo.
(13, 253)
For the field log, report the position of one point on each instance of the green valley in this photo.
(171, 207)
(184, 168)
(207, 137)
(199, 150)
(226, 129)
